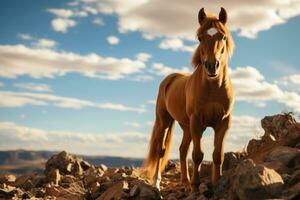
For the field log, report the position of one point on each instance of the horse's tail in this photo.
(156, 152)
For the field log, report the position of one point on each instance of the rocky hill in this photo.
(270, 169)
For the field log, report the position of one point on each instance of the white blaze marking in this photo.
(212, 31)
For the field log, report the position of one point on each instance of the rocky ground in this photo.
(270, 169)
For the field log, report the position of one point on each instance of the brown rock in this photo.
(103, 167)
(75, 191)
(277, 125)
(117, 191)
(252, 181)
(282, 154)
(29, 181)
(7, 178)
(253, 146)
(65, 163)
(143, 191)
(54, 176)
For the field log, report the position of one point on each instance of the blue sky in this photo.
(83, 75)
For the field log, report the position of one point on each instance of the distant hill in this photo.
(23, 161)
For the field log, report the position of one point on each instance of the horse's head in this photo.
(216, 43)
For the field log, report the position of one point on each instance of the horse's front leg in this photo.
(218, 154)
(197, 154)
(183, 151)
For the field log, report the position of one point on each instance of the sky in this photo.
(83, 75)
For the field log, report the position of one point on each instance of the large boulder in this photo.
(282, 154)
(277, 125)
(66, 164)
(251, 181)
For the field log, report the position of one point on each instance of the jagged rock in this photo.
(8, 192)
(252, 181)
(277, 125)
(143, 191)
(92, 175)
(74, 191)
(103, 167)
(282, 154)
(54, 176)
(68, 179)
(253, 146)
(29, 181)
(7, 178)
(118, 191)
(65, 163)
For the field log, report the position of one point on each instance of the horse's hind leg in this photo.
(183, 151)
(163, 123)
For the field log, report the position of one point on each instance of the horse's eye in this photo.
(224, 37)
(199, 38)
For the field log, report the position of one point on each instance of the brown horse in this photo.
(202, 99)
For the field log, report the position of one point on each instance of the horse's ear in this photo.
(223, 16)
(201, 16)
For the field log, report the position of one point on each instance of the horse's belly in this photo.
(175, 102)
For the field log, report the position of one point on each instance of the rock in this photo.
(85, 165)
(282, 154)
(117, 191)
(65, 163)
(54, 176)
(292, 192)
(277, 125)
(253, 146)
(143, 191)
(75, 191)
(103, 167)
(8, 192)
(29, 181)
(251, 181)
(7, 178)
(92, 175)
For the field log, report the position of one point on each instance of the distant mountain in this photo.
(23, 161)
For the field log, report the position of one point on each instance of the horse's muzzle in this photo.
(212, 68)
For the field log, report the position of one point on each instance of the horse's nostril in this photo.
(217, 64)
(207, 65)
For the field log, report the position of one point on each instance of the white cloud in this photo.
(45, 43)
(143, 57)
(98, 21)
(25, 36)
(62, 24)
(176, 44)
(19, 99)
(62, 13)
(251, 86)
(180, 18)
(162, 70)
(38, 63)
(14, 136)
(113, 40)
(133, 124)
(34, 87)
(38, 42)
